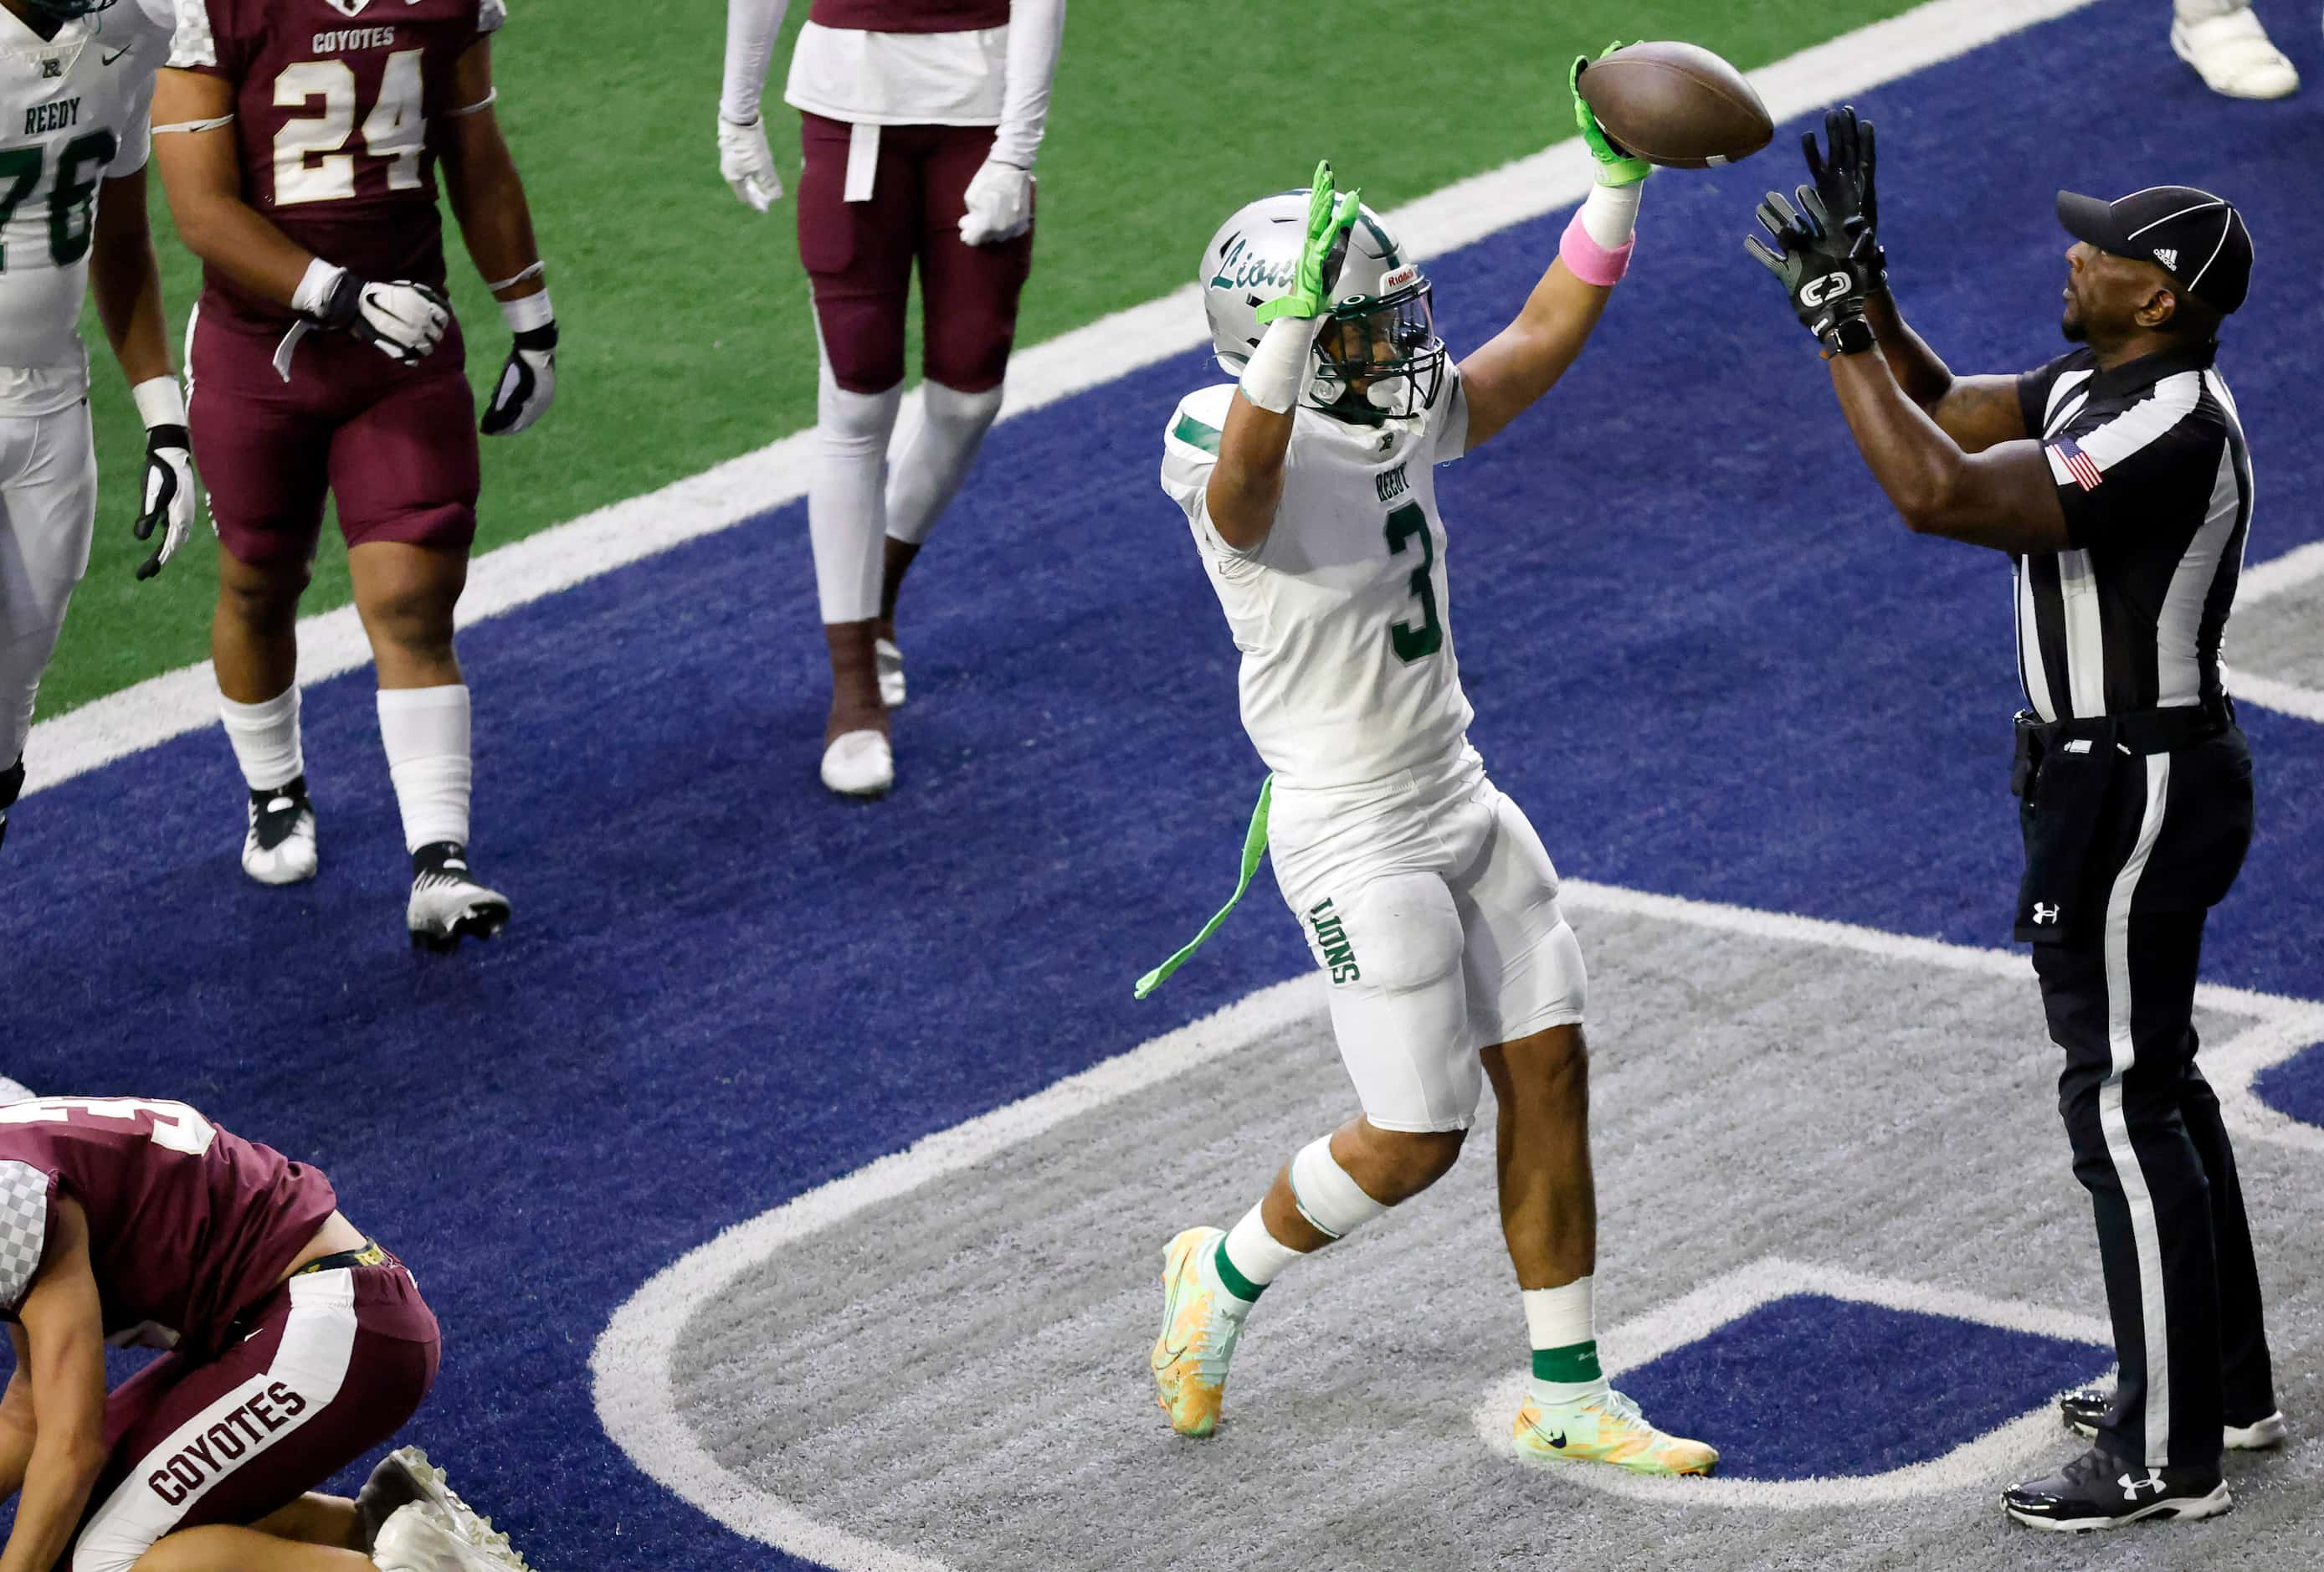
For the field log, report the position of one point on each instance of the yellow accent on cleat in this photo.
(1198, 1335)
(1607, 1429)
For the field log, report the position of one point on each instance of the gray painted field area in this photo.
(959, 1372)
(2282, 637)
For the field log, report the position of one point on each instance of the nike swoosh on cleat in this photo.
(1176, 1354)
(117, 54)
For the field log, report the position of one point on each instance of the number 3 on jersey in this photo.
(1415, 644)
(309, 165)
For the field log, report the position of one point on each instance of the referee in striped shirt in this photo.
(2117, 480)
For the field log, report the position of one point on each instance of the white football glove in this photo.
(402, 320)
(747, 164)
(1000, 204)
(169, 502)
(527, 383)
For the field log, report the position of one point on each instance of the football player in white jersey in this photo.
(1425, 895)
(76, 86)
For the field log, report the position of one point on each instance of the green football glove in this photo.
(1617, 166)
(1329, 217)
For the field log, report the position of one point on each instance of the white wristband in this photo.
(1278, 368)
(159, 401)
(315, 289)
(527, 313)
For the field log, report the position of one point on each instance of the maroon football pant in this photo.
(859, 257)
(332, 1364)
(395, 446)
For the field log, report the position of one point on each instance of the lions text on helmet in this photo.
(1376, 355)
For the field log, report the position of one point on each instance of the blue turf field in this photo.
(1704, 655)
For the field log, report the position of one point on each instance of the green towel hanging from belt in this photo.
(1254, 847)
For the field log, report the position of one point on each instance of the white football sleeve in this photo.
(751, 29)
(1037, 31)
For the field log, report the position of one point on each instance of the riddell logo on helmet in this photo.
(1399, 278)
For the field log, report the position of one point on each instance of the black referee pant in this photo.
(2182, 1288)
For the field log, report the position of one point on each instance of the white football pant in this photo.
(48, 516)
(1431, 907)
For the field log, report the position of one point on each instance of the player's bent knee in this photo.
(1418, 1159)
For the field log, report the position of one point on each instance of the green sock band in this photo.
(1254, 851)
(1241, 1287)
(1576, 1361)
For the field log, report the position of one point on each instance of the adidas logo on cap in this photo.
(2167, 256)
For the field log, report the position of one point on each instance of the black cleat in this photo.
(2085, 1410)
(447, 904)
(2101, 1491)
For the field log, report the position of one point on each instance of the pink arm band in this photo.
(1589, 262)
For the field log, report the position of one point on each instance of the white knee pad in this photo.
(1328, 1197)
(932, 456)
(846, 507)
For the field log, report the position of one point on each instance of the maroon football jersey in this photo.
(332, 103)
(189, 1226)
(909, 16)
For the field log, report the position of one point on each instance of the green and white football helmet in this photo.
(1376, 355)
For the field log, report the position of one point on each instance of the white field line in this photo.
(632, 1364)
(566, 554)
(1974, 1463)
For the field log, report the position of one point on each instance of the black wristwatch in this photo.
(1849, 335)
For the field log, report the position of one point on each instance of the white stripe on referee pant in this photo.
(2147, 1238)
(317, 1343)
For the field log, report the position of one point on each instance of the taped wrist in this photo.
(1328, 1197)
(1596, 244)
(319, 293)
(531, 314)
(160, 401)
(1278, 368)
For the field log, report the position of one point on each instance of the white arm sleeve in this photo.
(1036, 28)
(751, 29)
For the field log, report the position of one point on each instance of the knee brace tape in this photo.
(1327, 1197)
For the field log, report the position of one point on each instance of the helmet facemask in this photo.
(1379, 359)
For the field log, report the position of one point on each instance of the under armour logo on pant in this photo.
(2131, 1488)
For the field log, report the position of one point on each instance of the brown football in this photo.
(1677, 104)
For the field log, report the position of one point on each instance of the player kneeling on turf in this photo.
(296, 1345)
(1427, 898)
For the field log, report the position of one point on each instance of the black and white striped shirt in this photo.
(2156, 485)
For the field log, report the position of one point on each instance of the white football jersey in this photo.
(74, 112)
(1341, 612)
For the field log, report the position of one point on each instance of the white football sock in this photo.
(933, 453)
(426, 733)
(1255, 1253)
(1562, 1322)
(846, 509)
(265, 739)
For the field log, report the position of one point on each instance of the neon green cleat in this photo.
(1199, 1328)
(1607, 1429)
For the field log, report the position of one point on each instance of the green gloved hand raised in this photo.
(1329, 217)
(1617, 166)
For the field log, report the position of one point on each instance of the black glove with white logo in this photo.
(1843, 180)
(402, 320)
(1828, 274)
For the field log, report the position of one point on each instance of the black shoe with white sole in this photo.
(2101, 1491)
(278, 847)
(2085, 1410)
(448, 904)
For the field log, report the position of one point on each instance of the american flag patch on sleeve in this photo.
(2080, 465)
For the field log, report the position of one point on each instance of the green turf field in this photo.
(687, 338)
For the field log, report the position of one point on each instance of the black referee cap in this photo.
(2198, 238)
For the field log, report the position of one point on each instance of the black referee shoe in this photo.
(2085, 1410)
(2101, 1491)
